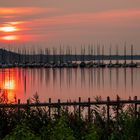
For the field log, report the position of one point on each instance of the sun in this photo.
(8, 29)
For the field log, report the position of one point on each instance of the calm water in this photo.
(69, 83)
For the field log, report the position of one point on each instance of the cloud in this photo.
(85, 25)
(41, 23)
(24, 13)
(25, 10)
(19, 16)
(118, 17)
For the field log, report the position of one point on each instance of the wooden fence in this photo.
(88, 104)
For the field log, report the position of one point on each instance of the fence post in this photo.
(79, 111)
(138, 113)
(74, 108)
(19, 109)
(89, 115)
(59, 107)
(28, 108)
(135, 99)
(49, 107)
(108, 100)
(67, 107)
(118, 99)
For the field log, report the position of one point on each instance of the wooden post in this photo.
(74, 109)
(18, 106)
(67, 108)
(79, 108)
(59, 107)
(135, 99)
(49, 107)
(138, 113)
(28, 108)
(89, 115)
(118, 99)
(18, 109)
(108, 114)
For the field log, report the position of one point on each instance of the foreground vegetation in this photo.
(35, 124)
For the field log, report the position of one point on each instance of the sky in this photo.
(70, 22)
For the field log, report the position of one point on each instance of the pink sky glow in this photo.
(72, 22)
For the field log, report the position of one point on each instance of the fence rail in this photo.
(69, 103)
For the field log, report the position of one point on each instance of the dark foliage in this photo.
(36, 124)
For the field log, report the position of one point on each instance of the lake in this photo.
(69, 84)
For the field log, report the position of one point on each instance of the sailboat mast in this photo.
(125, 53)
(98, 53)
(117, 53)
(102, 54)
(131, 54)
(110, 54)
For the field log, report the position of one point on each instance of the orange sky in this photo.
(72, 22)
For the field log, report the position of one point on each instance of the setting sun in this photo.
(8, 29)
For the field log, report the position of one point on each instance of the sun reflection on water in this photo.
(9, 85)
(8, 88)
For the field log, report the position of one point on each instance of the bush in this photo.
(21, 132)
(36, 124)
(62, 131)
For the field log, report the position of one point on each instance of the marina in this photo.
(56, 58)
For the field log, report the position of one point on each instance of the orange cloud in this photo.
(25, 10)
(15, 22)
(37, 28)
(10, 38)
(90, 17)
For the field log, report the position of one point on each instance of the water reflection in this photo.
(117, 79)
(83, 78)
(110, 78)
(125, 76)
(132, 80)
(68, 83)
(8, 85)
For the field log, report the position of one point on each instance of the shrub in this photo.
(62, 131)
(21, 132)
